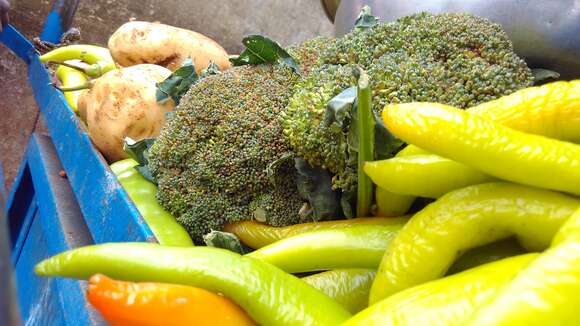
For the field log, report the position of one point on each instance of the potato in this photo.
(143, 42)
(122, 103)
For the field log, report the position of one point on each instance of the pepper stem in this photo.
(80, 87)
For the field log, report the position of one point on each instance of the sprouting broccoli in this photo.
(456, 59)
(222, 156)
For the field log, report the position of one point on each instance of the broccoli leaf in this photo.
(365, 19)
(176, 85)
(139, 151)
(212, 69)
(542, 76)
(260, 49)
(225, 240)
(348, 203)
(315, 185)
(339, 108)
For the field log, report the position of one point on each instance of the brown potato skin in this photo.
(122, 103)
(139, 42)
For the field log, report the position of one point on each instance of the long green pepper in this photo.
(142, 193)
(545, 292)
(446, 301)
(349, 287)
(267, 294)
(486, 145)
(465, 219)
(359, 246)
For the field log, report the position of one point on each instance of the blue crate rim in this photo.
(108, 210)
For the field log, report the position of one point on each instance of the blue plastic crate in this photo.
(44, 219)
(47, 213)
(109, 213)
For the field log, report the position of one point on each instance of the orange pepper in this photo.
(152, 304)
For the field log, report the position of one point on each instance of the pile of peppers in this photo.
(499, 245)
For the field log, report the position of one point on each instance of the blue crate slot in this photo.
(45, 219)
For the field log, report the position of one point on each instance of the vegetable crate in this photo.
(108, 211)
(44, 219)
(49, 214)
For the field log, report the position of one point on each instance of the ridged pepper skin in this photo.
(487, 146)
(349, 287)
(158, 304)
(143, 193)
(70, 77)
(546, 292)
(359, 246)
(446, 301)
(429, 176)
(467, 218)
(267, 294)
(551, 110)
(391, 204)
(257, 235)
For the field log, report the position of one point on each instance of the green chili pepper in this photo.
(411, 150)
(428, 176)
(257, 235)
(447, 301)
(349, 287)
(464, 219)
(360, 246)
(487, 146)
(142, 193)
(546, 292)
(391, 204)
(71, 77)
(551, 110)
(268, 295)
(99, 58)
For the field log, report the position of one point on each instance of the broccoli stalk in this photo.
(366, 144)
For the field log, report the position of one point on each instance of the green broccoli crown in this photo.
(308, 52)
(304, 126)
(456, 59)
(213, 160)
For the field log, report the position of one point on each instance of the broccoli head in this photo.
(222, 157)
(456, 59)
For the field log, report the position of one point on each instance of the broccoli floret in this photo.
(456, 59)
(304, 124)
(222, 157)
(216, 159)
(308, 53)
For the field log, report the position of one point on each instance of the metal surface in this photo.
(330, 8)
(52, 223)
(545, 33)
(110, 214)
